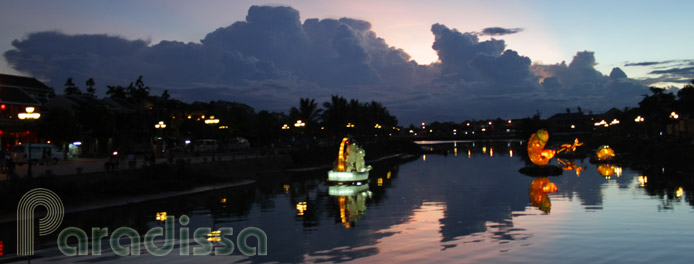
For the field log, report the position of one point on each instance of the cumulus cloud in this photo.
(272, 58)
(499, 31)
(581, 81)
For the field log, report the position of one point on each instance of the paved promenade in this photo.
(87, 165)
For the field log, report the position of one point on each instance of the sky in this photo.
(425, 60)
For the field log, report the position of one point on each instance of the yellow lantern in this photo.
(605, 153)
(536, 148)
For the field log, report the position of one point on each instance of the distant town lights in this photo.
(299, 123)
(285, 127)
(639, 119)
(211, 121)
(602, 123)
(674, 115)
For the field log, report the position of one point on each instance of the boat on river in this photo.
(350, 165)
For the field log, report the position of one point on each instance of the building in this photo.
(17, 93)
(570, 123)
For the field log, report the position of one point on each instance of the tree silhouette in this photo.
(307, 112)
(138, 92)
(71, 88)
(165, 95)
(116, 92)
(685, 98)
(90, 83)
(335, 114)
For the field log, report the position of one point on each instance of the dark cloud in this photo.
(499, 31)
(677, 71)
(665, 62)
(667, 71)
(272, 58)
(645, 63)
(587, 87)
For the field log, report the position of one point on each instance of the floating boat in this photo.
(350, 166)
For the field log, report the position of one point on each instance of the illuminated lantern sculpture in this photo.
(604, 153)
(536, 148)
(539, 188)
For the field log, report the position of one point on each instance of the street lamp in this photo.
(160, 125)
(674, 115)
(31, 116)
(285, 127)
(299, 123)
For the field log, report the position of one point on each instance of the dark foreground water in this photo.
(471, 205)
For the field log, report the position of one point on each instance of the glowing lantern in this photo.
(341, 161)
(570, 147)
(160, 216)
(605, 153)
(536, 148)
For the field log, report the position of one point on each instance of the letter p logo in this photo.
(25, 218)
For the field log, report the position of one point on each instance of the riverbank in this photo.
(99, 189)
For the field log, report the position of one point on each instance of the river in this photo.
(469, 205)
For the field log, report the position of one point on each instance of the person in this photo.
(49, 154)
(10, 169)
(44, 156)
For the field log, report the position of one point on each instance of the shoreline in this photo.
(123, 201)
(120, 188)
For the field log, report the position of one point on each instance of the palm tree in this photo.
(307, 112)
(116, 92)
(335, 114)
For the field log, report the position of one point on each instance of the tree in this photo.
(71, 88)
(685, 96)
(335, 114)
(308, 111)
(91, 91)
(116, 92)
(165, 95)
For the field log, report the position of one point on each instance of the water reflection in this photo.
(539, 188)
(609, 170)
(351, 200)
(467, 208)
(570, 165)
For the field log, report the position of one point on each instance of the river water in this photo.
(470, 205)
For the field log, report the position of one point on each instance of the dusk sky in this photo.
(425, 60)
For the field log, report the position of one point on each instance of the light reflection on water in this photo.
(445, 208)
